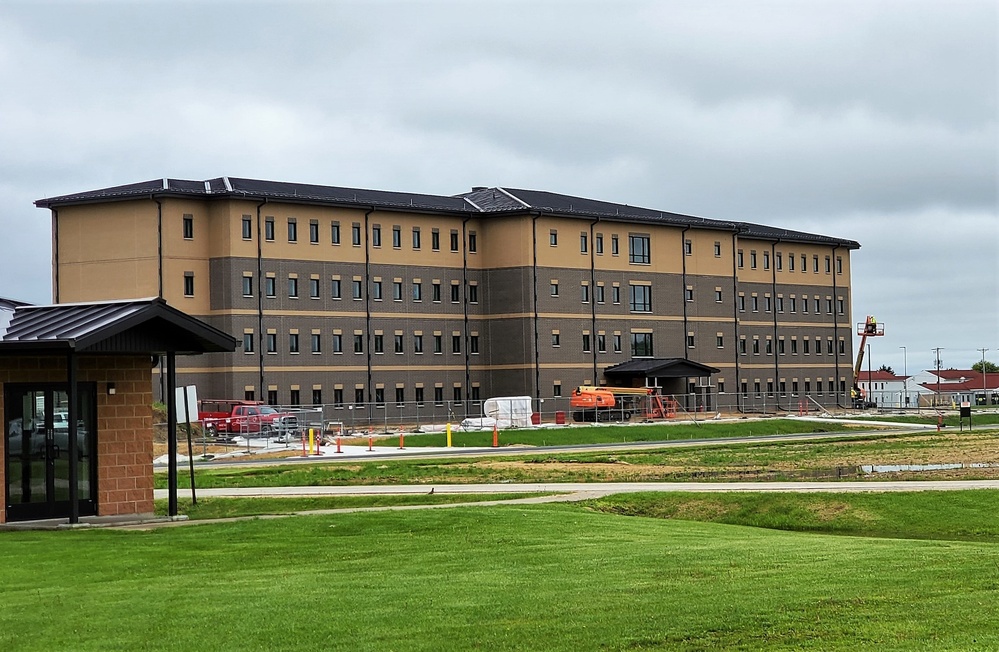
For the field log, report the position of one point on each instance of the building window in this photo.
(438, 343)
(359, 395)
(338, 398)
(794, 347)
(742, 345)
(641, 345)
(556, 340)
(396, 237)
(553, 238)
(554, 288)
(269, 229)
(400, 396)
(417, 291)
(584, 293)
(601, 343)
(473, 242)
(379, 343)
(380, 396)
(616, 294)
(188, 284)
(473, 293)
(779, 261)
(756, 346)
(337, 343)
(815, 264)
(293, 343)
(317, 343)
(767, 304)
(688, 248)
(804, 263)
(335, 290)
(690, 340)
(358, 343)
(272, 342)
(780, 304)
(790, 262)
(739, 259)
(292, 287)
(688, 294)
(397, 342)
(356, 288)
(456, 344)
(417, 344)
(188, 227)
(766, 260)
(292, 230)
(617, 342)
(435, 293)
(314, 288)
(718, 296)
(438, 396)
(598, 246)
(742, 303)
(435, 239)
(247, 227)
(335, 233)
(397, 290)
(247, 286)
(755, 300)
(615, 247)
(376, 235)
(717, 250)
(600, 293)
(416, 237)
(473, 344)
(638, 249)
(780, 347)
(376, 290)
(455, 293)
(247, 342)
(314, 231)
(557, 390)
(317, 396)
(583, 243)
(270, 287)
(839, 265)
(418, 396)
(454, 240)
(586, 343)
(752, 259)
(769, 347)
(839, 306)
(355, 234)
(720, 341)
(641, 298)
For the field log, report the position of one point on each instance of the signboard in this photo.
(190, 393)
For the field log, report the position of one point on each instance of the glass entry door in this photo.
(37, 451)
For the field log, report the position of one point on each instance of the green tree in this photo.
(887, 368)
(990, 367)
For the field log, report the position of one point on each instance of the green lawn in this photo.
(552, 577)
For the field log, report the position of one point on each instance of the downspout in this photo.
(367, 309)
(159, 243)
(534, 270)
(593, 301)
(735, 319)
(260, 299)
(55, 255)
(773, 307)
(683, 290)
(835, 329)
(464, 301)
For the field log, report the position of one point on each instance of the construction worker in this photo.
(872, 325)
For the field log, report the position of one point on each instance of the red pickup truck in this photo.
(228, 418)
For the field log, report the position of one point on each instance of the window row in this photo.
(808, 346)
(376, 291)
(379, 342)
(778, 262)
(360, 396)
(356, 229)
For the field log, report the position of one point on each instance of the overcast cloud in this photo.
(874, 120)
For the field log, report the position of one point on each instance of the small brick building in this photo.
(76, 388)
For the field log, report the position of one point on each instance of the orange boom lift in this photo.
(592, 403)
(870, 328)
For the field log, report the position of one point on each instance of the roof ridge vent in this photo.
(166, 183)
(228, 185)
(208, 187)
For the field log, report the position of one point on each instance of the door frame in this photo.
(50, 507)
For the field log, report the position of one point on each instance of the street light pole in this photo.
(870, 384)
(905, 379)
(936, 399)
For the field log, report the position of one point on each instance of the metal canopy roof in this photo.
(660, 368)
(134, 326)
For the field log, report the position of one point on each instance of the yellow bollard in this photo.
(449, 435)
(312, 440)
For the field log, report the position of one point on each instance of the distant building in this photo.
(955, 386)
(888, 390)
(401, 302)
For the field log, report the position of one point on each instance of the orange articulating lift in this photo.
(870, 328)
(592, 403)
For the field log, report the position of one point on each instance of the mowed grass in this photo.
(929, 418)
(686, 428)
(553, 577)
(238, 507)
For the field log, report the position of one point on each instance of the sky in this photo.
(870, 120)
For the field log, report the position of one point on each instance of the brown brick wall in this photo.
(124, 424)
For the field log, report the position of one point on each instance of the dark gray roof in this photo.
(660, 368)
(480, 201)
(134, 326)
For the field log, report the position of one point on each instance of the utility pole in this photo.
(985, 391)
(936, 400)
(905, 380)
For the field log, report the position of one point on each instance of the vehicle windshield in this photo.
(266, 409)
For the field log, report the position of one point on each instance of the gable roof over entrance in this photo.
(134, 326)
(659, 368)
